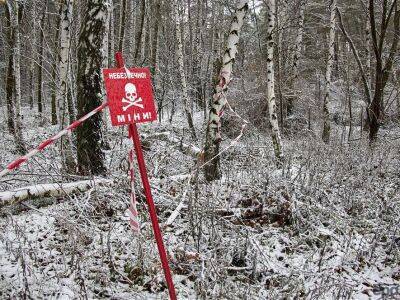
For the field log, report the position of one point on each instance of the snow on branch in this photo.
(187, 149)
(48, 190)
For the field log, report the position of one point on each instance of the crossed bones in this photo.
(137, 102)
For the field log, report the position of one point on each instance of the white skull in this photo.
(130, 92)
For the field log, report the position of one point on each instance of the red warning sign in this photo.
(130, 95)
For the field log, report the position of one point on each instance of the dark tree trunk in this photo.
(122, 26)
(10, 80)
(14, 13)
(154, 68)
(382, 69)
(138, 39)
(90, 58)
(375, 110)
(9, 96)
(54, 119)
(40, 67)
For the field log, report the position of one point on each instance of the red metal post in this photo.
(134, 135)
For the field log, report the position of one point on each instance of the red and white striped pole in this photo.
(16, 163)
(133, 133)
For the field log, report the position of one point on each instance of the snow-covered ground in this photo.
(325, 226)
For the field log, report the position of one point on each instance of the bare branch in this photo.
(356, 55)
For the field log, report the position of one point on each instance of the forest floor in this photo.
(324, 226)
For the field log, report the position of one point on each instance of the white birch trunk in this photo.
(328, 76)
(299, 41)
(49, 190)
(213, 134)
(65, 40)
(273, 117)
(67, 159)
(182, 73)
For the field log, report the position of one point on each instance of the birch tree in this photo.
(273, 117)
(63, 62)
(328, 75)
(182, 75)
(218, 101)
(90, 58)
(297, 55)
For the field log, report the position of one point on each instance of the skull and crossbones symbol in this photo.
(131, 97)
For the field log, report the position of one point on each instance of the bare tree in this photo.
(383, 68)
(41, 59)
(10, 75)
(15, 10)
(122, 25)
(182, 73)
(296, 56)
(218, 102)
(154, 65)
(63, 64)
(54, 71)
(141, 33)
(326, 132)
(90, 59)
(273, 117)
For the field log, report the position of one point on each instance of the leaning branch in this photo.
(393, 49)
(357, 57)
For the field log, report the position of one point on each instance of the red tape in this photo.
(16, 163)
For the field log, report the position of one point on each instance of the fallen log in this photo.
(49, 190)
